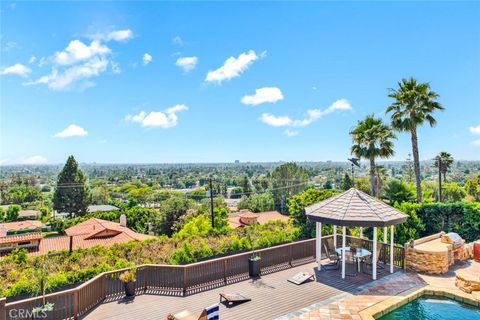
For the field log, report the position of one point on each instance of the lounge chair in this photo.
(369, 260)
(209, 313)
(233, 298)
(301, 277)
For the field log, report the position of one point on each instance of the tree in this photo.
(397, 191)
(452, 192)
(472, 187)
(2, 214)
(171, 210)
(12, 212)
(409, 169)
(257, 202)
(372, 139)
(72, 194)
(247, 189)
(443, 161)
(413, 106)
(347, 182)
(288, 180)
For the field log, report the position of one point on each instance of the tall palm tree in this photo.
(413, 106)
(446, 160)
(372, 139)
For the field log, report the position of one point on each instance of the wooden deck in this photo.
(272, 296)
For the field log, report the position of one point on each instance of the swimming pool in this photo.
(429, 308)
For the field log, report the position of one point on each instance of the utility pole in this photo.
(211, 203)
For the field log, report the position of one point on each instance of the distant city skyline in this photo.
(164, 82)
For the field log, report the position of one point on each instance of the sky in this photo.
(166, 82)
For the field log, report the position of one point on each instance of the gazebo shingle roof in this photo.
(355, 208)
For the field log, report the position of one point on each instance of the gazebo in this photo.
(354, 208)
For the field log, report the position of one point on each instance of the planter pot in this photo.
(130, 288)
(254, 267)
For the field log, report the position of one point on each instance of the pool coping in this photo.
(392, 303)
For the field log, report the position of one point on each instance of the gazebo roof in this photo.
(354, 208)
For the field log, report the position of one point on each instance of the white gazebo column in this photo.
(361, 232)
(391, 248)
(374, 254)
(318, 245)
(385, 235)
(334, 237)
(344, 231)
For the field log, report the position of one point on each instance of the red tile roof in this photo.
(22, 225)
(262, 218)
(21, 237)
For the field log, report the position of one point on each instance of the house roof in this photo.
(94, 226)
(262, 218)
(22, 225)
(355, 208)
(21, 237)
(27, 213)
(101, 208)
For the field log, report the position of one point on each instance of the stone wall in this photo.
(428, 262)
(467, 282)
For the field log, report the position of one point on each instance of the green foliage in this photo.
(289, 179)
(2, 214)
(397, 191)
(257, 202)
(472, 187)
(296, 207)
(347, 182)
(171, 210)
(413, 228)
(236, 193)
(12, 212)
(72, 194)
(201, 225)
(452, 192)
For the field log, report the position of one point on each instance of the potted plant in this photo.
(255, 260)
(128, 277)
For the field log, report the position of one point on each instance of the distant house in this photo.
(21, 226)
(246, 218)
(28, 214)
(101, 208)
(27, 240)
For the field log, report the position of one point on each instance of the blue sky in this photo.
(211, 82)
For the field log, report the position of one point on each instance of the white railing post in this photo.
(391, 248)
(335, 237)
(344, 232)
(374, 255)
(318, 245)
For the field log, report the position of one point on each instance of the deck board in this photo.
(272, 296)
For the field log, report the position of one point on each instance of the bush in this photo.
(257, 202)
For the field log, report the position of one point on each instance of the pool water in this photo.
(427, 308)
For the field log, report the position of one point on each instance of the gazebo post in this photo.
(361, 232)
(319, 244)
(335, 236)
(344, 231)
(391, 248)
(385, 235)
(374, 254)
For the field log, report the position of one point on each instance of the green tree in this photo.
(452, 192)
(347, 182)
(444, 160)
(288, 180)
(372, 139)
(296, 207)
(472, 187)
(247, 189)
(257, 202)
(171, 210)
(12, 212)
(2, 214)
(397, 191)
(413, 106)
(72, 194)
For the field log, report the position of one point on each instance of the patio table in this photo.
(359, 255)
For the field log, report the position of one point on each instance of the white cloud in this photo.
(32, 59)
(474, 130)
(71, 131)
(77, 51)
(187, 63)
(312, 116)
(291, 133)
(233, 67)
(178, 41)
(33, 160)
(120, 35)
(476, 143)
(18, 69)
(147, 58)
(275, 121)
(164, 119)
(263, 95)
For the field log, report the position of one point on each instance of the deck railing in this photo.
(178, 280)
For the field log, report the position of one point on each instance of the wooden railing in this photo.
(398, 251)
(179, 280)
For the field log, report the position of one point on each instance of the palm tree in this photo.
(414, 105)
(446, 160)
(372, 139)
